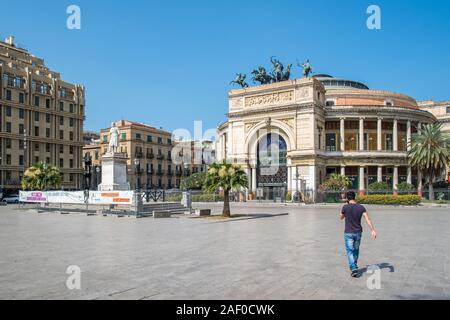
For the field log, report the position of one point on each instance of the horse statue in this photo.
(307, 68)
(260, 75)
(240, 80)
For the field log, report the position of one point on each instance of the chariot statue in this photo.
(260, 75)
(240, 80)
(307, 68)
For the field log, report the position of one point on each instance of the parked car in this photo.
(11, 199)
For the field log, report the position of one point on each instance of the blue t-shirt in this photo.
(353, 213)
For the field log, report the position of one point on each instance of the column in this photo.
(419, 183)
(289, 179)
(409, 175)
(395, 180)
(380, 174)
(362, 187)
(253, 179)
(342, 128)
(395, 135)
(379, 134)
(342, 170)
(408, 136)
(361, 134)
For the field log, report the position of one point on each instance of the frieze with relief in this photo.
(271, 98)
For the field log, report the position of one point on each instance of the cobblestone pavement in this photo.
(259, 256)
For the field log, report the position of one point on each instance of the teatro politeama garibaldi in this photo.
(320, 125)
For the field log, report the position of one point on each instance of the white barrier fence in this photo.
(77, 197)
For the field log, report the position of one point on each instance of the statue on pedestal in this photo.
(307, 68)
(114, 134)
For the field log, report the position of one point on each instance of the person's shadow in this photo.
(373, 267)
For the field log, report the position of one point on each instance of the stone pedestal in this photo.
(114, 173)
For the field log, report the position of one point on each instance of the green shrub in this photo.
(378, 186)
(389, 199)
(404, 186)
(174, 198)
(194, 181)
(207, 197)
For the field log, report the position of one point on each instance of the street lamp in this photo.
(45, 166)
(98, 177)
(137, 172)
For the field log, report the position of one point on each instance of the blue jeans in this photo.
(352, 242)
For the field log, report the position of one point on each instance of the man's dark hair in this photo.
(351, 196)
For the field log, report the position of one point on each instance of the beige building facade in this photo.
(151, 146)
(41, 118)
(289, 136)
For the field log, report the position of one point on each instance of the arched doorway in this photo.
(271, 172)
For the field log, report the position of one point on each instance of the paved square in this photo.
(295, 256)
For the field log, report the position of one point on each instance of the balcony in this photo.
(42, 89)
(160, 172)
(150, 156)
(138, 155)
(15, 83)
(150, 171)
(179, 172)
(170, 173)
(159, 157)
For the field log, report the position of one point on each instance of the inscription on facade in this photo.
(271, 98)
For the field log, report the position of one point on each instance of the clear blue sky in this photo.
(168, 63)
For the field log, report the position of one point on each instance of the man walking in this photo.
(352, 212)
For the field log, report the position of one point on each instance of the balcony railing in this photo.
(160, 172)
(150, 156)
(170, 173)
(160, 157)
(138, 154)
(179, 172)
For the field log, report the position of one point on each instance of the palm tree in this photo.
(40, 176)
(225, 176)
(430, 152)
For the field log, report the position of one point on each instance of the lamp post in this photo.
(137, 172)
(45, 166)
(98, 176)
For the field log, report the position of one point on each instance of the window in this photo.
(71, 163)
(47, 132)
(8, 159)
(36, 159)
(71, 177)
(47, 103)
(36, 101)
(61, 121)
(330, 103)
(71, 121)
(61, 163)
(21, 97)
(96, 155)
(61, 106)
(8, 95)
(36, 147)
(330, 142)
(20, 160)
(36, 116)
(8, 127)
(21, 128)
(149, 139)
(47, 117)
(71, 108)
(8, 143)
(159, 140)
(21, 144)
(447, 109)
(21, 114)
(138, 136)
(61, 148)
(105, 138)
(71, 136)
(47, 148)
(61, 134)
(124, 136)
(71, 150)
(389, 142)
(8, 111)
(36, 131)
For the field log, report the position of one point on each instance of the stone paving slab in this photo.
(296, 256)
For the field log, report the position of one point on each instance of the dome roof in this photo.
(331, 82)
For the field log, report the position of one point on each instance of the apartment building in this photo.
(41, 118)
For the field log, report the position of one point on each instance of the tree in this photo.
(41, 176)
(227, 177)
(430, 152)
(194, 181)
(336, 182)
